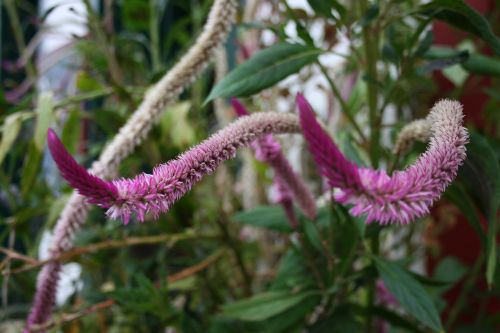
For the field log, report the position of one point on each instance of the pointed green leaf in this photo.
(269, 217)
(264, 306)
(45, 106)
(462, 16)
(11, 128)
(409, 292)
(264, 69)
(480, 173)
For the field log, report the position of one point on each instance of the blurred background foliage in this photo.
(224, 259)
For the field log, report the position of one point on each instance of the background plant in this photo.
(223, 259)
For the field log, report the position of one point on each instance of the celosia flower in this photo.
(163, 93)
(155, 193)
(287, 183)
(406, 195)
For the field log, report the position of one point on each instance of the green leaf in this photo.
(409, 292)
(480, 173)
(458, 196)
(474, 63)
(264, 69)
(449, 269)
(86, 83)
(324, 7)
(71, 132)
(264, 306)
(482, 65)
(462, 16)
(370, 14)
(269, 217)
(11, 128)
(44, 109)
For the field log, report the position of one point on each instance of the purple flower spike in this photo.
(155, 193)
(287, 183)
(98, 191)
(406, 195)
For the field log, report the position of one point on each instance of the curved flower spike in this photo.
(406, 195)
(155, 193)
(287, 183)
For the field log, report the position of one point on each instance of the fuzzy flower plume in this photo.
(96, 189)
(155, 193)
(406, 195)
(417, 130)
(163, 93)
(287, 183)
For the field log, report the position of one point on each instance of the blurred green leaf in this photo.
(409, 292)
(265, 305)
(342, 320)
(325, 7)
(44, 110)
(458, 196)
(264, 69)
(480, 173)
(462, 16)
(269, 217)
(11, 128)
(31, 166)
(449, 269)
(370, 14)
(70, 136)
(86, 83)
(482, 65)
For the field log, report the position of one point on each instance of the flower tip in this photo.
(303, 104)
(238, 107)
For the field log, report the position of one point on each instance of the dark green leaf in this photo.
(409, 292)
(449, 269)
(342, 320)
(325, 7)
(462, 16)
(425, 44)
(264, 306)
(71, 132)
(480, 175)
(482, 65)
(264, 69)
(369, 15)
(458, 196)
(269, 217)
(441, 63)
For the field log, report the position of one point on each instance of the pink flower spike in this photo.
(332, 164)
(238, 107)
(155, 193)
(97, 190)
(288, 183)
(406, 195)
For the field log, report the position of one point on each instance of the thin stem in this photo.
(469, 284)
(154, 35)
(170, 239)
(18, 36)
(226, 236)
(370, 41)
(375, 247)
(343, 103)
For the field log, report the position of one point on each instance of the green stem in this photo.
(18, 36)
(232, 244)
(155, 36)
(375, 247)
(343, 103)
(370, 41)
